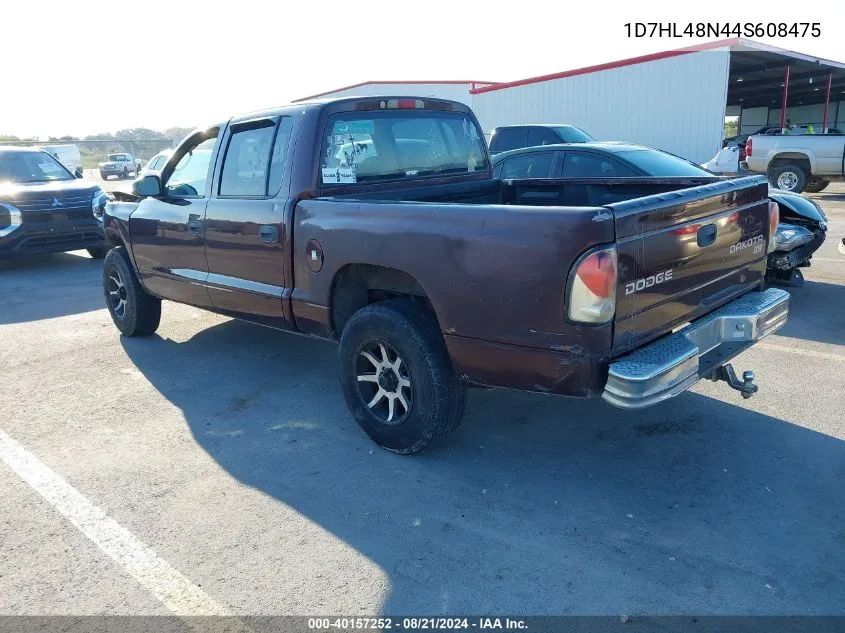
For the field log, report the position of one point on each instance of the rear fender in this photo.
(786, 154)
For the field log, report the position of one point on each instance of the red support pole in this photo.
(826, 103)
(783, 107)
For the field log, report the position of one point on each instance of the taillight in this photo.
(774, 220)
(748, 147)
(592, 287)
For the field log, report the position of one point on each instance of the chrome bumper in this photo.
(674, 363)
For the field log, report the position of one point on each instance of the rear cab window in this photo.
(399, 145)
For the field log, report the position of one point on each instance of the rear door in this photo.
(244, 224)
(684, 253)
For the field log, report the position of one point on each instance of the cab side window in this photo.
(589, 165)
(533, 165)
(255, 158)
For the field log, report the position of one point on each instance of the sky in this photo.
(85, 66)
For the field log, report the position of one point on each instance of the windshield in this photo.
(23, 167)
(571, 134)
(661, 164)
(114, 157)
(385, 146)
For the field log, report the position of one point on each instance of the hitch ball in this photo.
(747, 387)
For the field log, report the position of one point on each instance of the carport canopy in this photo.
(758, 73)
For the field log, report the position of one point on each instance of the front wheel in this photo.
(126, 172)
(397, 377)
(134, 312)
(98, 252)
(788, 178)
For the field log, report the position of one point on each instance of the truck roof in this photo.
(325, 102)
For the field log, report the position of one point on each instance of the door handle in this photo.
(268, 233)
(195, 227)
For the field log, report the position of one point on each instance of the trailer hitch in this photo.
(746, 386)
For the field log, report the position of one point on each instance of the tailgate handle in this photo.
(707, 235)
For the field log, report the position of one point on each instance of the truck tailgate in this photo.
(685, 253)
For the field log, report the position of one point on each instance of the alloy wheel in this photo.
(384, 384)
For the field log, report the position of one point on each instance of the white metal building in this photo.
(675, 100)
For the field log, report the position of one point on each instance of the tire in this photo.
(140, 312)
(103, 176)
(788, 178)
(126, 172)
(98, 252)
(434, 397)
(816, 185)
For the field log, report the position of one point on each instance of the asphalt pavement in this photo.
(214, 468)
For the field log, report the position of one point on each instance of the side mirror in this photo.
(78, 172)
(147, 186)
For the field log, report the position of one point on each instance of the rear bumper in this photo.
(674, 363)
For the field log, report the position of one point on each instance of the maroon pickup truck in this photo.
(376, 222)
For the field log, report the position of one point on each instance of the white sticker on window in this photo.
(338, 175)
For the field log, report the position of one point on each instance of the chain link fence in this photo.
(93, 152)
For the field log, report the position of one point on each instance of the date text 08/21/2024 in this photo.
(416, 623)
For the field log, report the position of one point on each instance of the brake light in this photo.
(774, 220)
(748, 147)
(592, 288)
(403, 104)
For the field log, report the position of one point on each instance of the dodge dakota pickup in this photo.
(376, 222)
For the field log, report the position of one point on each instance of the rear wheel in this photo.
(397, 377)
(816, 184)
(126, 172)
(788, 178)
(134, 312)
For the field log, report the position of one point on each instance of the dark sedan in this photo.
(803, 224)
(44, 208)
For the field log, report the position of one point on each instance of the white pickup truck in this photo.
(120, 165)
(797, 162)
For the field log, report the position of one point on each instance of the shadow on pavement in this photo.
(537, 505)
(816, 312)
(47, 286)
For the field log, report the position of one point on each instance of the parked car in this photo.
(156, 163)
(511, 137)
(842, 246)
(121, 165)
(44, 208)
(431, 274)
(802, 232)
(67, 155)
(797, 162)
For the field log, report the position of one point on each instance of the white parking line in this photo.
(173, 589)
(803, 352)
(829, 259)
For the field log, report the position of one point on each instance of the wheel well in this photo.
(113, 238)
(791, 158)
(358, 285)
